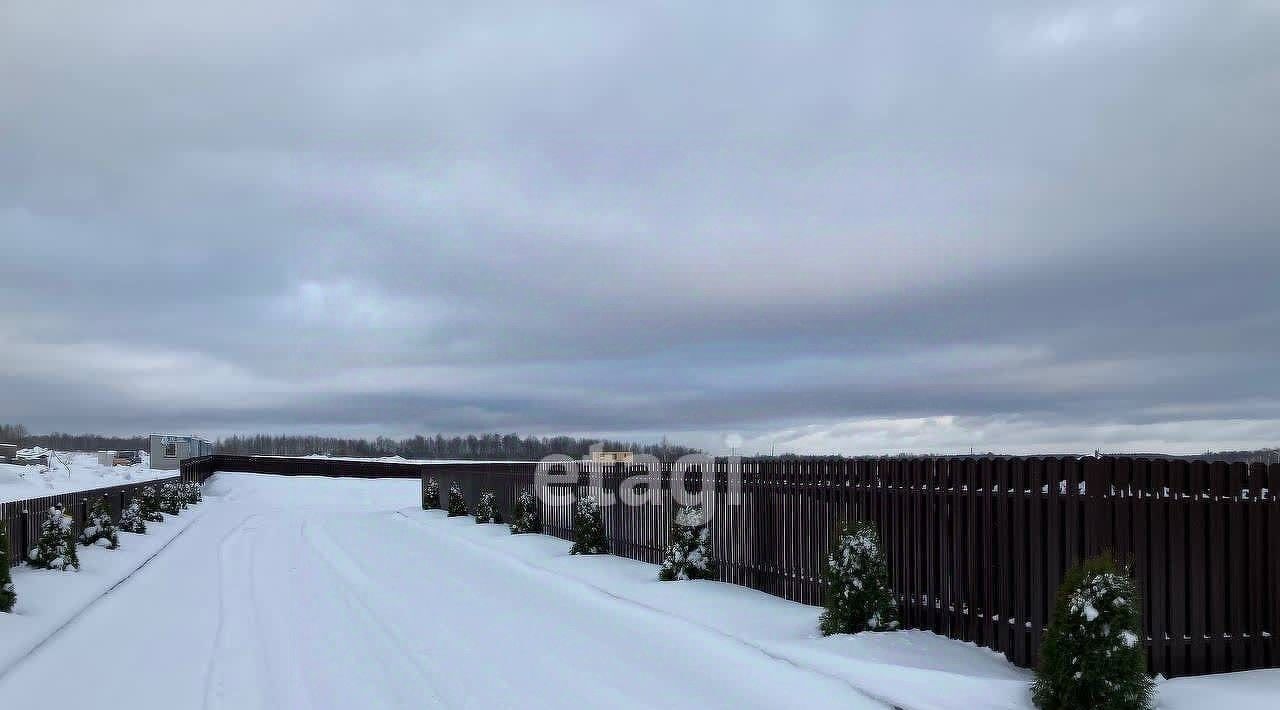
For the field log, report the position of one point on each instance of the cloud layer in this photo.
(828, 226)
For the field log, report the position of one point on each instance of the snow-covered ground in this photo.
(298, 592)
(19, 482)
(908, 669)
(50, 599)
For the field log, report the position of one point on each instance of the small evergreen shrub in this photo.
(56, 548)
(100, 528)
(858, 596)
(131, 519)
(150, 501)
(1093, 654)
(431, 494)
(171, 500)
(484, 509)
(588, 528)
(192, 493)
(457, 502)
(8, 597)
(525, 516)
(688, 553)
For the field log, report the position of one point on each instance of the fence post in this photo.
(1273, 528)
(758, 541)
(25, 536)
(1097, 535)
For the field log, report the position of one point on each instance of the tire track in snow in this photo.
(574, 622)
(266, 636)
(356, 584)
(462, 649)
(214, 669)
(272, 675)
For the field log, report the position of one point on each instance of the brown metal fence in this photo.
(978, 546)
(302, 466)
(23, 518)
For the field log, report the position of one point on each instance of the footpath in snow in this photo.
(336, 593)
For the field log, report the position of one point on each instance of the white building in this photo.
(168, 451)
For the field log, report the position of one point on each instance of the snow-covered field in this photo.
(289, 592)
(19, 482)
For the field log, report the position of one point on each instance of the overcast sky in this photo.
(847, 226)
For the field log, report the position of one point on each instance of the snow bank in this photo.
(21, 482)
(51, 599)
(1248, 690)
(912, 668)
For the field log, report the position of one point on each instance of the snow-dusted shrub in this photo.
(484, 509)
(688, 553)
(858, 596)
(100, 528)
(588, 528)
(150, 500)
(131, 519)
(7, 595)
(430, 494)
(525, 516)
(457, 502)
(56, 548)
(192, 493)
(1093, 655)
(171, 499)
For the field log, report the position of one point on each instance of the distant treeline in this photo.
(1255, 456)
(59, 441)
(474, 446)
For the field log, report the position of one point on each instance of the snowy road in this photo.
(317, 593)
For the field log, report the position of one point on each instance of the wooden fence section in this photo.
(303, 466)
(23, 518)
(977, 546)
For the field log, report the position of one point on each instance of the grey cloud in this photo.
(643, 218)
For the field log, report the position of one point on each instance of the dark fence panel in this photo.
(976, 546)
(282, 466)
(23, 518)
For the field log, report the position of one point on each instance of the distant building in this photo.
(8, 452)
(168, 451)
(612, 456)
(119, 458)
(34, 456)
